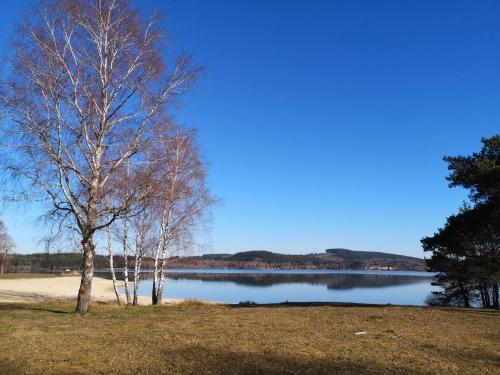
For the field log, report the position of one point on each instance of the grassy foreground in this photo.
(212, 339)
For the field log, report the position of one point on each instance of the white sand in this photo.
(63, 287)
(40, 289)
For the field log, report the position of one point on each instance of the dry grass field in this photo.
(193, 338)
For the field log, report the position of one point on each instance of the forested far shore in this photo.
(330, 259)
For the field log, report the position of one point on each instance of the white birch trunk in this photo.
(125, 240)
(159, 246)
(137, 271)
(164, 253)
(125, 260)
(112, 268)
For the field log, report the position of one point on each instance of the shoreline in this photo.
(65, 288)
(40, 289)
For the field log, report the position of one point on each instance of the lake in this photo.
(273, 286)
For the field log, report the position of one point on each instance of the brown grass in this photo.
(193, 338)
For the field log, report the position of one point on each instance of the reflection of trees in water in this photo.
(332, 281)
(374, 281)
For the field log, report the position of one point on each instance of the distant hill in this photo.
(363, 255)
(255, 259)
(330, 259)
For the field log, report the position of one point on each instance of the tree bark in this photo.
(154, 296)
(487, 297)
(164, 253)
(113, 277)
(112, 268)
(125, 261)
(83, 304)
(483, 297)
(154, 291)
(162, 281)
(159, 246)
(496, 293)
(137, 275)
(137, 279)
(465, 294)
(159, 293)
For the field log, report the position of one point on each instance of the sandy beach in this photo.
(38, 289)
(41, 289)
(63, 287)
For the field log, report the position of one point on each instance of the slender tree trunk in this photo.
(112, 267)
(161, 276)
(483, 297)
(137, 280)
(83, 303)
(164, 253)
(487, 297)
(125, 261)
(125, 239)
(496, 301)
(163, 266)
(167, 232)
(161, 283)
(159, 246)
(2, 263)
(113, 277)
(154, 291)
(137, 273)
(154, 295)
(465, 295)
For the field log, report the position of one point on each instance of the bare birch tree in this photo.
(181, 197)
(131, 231)
(86, 85)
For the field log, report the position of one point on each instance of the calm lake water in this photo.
(272, 286)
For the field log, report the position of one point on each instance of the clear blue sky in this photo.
(325, 122)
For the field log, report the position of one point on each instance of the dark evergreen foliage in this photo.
(466, 251)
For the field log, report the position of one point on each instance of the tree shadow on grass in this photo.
(45, 307)
(8, 367)
(200, 360)
(461, 310)
(483, 355)
(312, 304)
(465, 310)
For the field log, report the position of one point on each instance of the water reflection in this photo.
(300, 286)
(331, 280)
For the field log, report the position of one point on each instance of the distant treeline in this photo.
(57, 262)
(331, 259)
